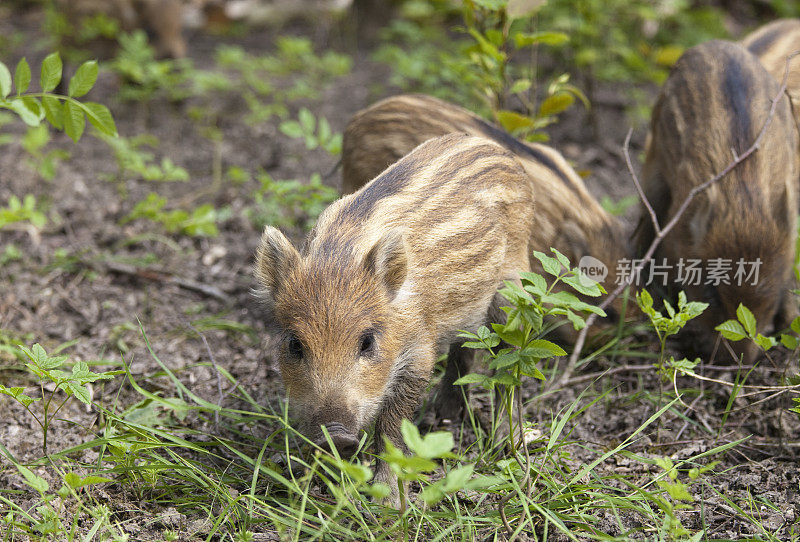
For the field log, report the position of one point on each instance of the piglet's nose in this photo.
(345, 442)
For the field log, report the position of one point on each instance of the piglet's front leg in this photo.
(401, 405)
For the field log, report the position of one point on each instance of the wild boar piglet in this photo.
(739, 233)
(387, 278)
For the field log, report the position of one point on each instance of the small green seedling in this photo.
(668, 325)
(533, 304)
(201, 222)
(315, 133)
(744, 327)
(417, 466)
(48, 369)
(289, 203)
(22, 211)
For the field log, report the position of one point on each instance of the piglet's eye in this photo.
(367, 345)
(294, 347)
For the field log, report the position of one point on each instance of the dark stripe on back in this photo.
(759, 46)
(387, 184)
(737, 90)
(515, 145)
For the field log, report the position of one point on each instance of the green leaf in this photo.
(668, 55)
(410, 435)
(732, 330)
(506, 358)
(100, 117)
(78, 390)
(53, 112)
(471, 378)
(747, 319)
(520, 85)
(307, 120)
(550, 265)
(17, 394)
(577, 322)
(789, 341)
(645, 302)
(22, 76)
(537, 284)
(83, 80)
(563, 260)
(436, 445)
(513, 122)
(5, 81)
(796, 325)
(51, 72)
(457, 478)
(585, 285)
(36, 482)
(555, 104)
(765, 342)
(74, 120)
(291, 128)
(677, 490)
(28, 110)
(433, 493)
(541, 348)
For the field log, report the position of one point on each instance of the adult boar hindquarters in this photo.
(714, 104)
(386, 280)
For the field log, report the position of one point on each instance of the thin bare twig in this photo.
(662, 232)
(638, 185)
(165, 276)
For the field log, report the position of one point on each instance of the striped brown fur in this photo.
(568, 218)
(772, 44)
(388, 277)
(714, 103)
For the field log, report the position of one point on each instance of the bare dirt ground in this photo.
(72, 285)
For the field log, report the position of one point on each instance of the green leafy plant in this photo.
(417, 466)
(501, 31)
(533, 304)
(315, 133)
(135, 162)
(626, 41)
(143, 74)
(744, 327)
(22, 211)
(423, 57)
(62, 112)
(48, 369)
(670, 324)
(268, 83)
(618, 208)
(200, 222)
(666, 326)
(286, 203)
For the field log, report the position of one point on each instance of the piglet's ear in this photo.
(275, 259)
(389, 261)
